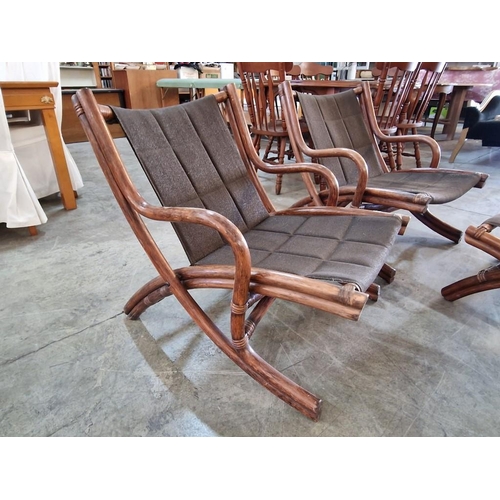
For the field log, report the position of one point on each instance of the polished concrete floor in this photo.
(72, 364)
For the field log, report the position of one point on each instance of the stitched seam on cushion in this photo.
(329, 258)
(215, 166)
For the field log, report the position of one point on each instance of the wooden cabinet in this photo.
(140, 90)
(71, 128)
(104, 74)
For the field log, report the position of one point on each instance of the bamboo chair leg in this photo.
(373, 292)
(275, 382)
(488, 279)
(438, 226)
(387, 273)
(32, 230)
(400, 148)
(256, 142)
(257, 314)
(149, 294)
(416, 149)
(244, 356)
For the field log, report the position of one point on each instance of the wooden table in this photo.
(24, 96)
(196, 86)
(457, 99)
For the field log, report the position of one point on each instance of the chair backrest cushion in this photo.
(336, 121)
(191, 160)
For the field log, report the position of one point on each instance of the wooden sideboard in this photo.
(140, 90)
(71, 128)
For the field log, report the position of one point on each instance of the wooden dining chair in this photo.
(345, 123)
(486, 279)
(416, 107)
(294, 72)
(260, 87)
(391, 95)
(315, 71)
(202, 165)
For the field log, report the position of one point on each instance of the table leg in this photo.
(457, 99)
(57, 152)
(440, 106)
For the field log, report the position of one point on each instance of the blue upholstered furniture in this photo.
(481, 123)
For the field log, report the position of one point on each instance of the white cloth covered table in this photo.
(26, 168)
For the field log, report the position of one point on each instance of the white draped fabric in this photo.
(19, 206)
(26, 168)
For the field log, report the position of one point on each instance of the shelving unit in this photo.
(76, 75)
(104, 74)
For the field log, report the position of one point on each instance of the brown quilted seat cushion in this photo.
(442, 187)
(342, 249)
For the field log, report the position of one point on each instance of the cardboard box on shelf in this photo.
(187, 72)
(210, 72)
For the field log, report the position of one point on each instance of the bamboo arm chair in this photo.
(346, 121)
(200, 161)
(486, 279)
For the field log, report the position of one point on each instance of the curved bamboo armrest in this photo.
(381, 136)
(305, 168)
(229, 232)
(349, 211)
(344, 153)
(297, 139)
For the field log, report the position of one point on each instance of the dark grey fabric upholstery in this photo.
(340, 249)
(483, 124)
(191, 160)
(443, 187)
(337, 121)
(494, 221)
